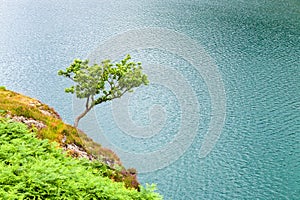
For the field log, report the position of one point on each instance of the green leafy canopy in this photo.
(105, 81)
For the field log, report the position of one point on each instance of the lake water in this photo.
(246, 102)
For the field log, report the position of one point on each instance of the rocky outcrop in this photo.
(44, 109)
(29, 122)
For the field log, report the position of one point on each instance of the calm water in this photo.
(255, 46)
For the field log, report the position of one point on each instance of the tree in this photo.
(103, 82)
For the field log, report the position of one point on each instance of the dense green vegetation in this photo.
(16, 106)
(31, 168)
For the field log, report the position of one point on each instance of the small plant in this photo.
(132, 171)
(3, 112)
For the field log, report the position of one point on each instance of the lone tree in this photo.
(103, 82)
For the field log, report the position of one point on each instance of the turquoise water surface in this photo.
(255, 47)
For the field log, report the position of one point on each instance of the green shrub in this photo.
(36, 169)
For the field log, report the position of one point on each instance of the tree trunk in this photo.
(81, 116)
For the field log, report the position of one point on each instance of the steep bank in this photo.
(47, 124)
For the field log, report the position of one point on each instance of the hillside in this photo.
(53, 159)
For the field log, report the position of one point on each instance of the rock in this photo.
(77, 151)
(29, 122)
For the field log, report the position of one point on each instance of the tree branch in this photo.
(69, 76)
(93, 101)
(87, 102)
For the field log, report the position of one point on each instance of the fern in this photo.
(36, 169)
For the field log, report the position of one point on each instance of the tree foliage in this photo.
(103, 82)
